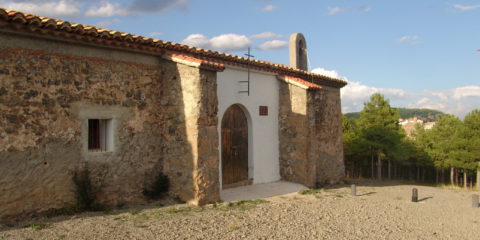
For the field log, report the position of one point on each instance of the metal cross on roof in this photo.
(248, 73)
(248, 54)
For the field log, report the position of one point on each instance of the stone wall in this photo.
(295, 165)
(311, 149)
(46, 98)
(325, 121)
(199, 88)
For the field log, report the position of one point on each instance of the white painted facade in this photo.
(263, 142)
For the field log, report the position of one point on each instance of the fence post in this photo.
(414, 195)
(475, 200)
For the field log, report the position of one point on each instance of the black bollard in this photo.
(414, 195)
(475, 200)
(354, 190)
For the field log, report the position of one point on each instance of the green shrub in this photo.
(159, 187)
(38, 226)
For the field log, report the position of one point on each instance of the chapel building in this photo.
(128, 107)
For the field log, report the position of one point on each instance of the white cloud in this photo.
(458, 101)
(356, 93)
(55, 8)
(328, 73)
(106, 9)
(335, 10)
(265, 35)
(108, 23)
(224, 43)
(197, 40)
(269, 8)
(230, 42)
(90, 8)
(409, 39)
(465, 8)
(273, 45)
(465, 92)
(428, 103)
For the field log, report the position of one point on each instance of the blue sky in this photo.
(419, 53)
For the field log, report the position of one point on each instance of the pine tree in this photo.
(379, 128)
(472, 134)
(353, 147)
(446, 141)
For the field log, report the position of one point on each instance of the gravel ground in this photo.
(379, 211)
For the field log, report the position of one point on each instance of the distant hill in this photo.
(427, 115)
(352, 115)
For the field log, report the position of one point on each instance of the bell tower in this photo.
(298, 51)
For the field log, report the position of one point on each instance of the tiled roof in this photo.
(208, 58)
(195, 62)
(299, 82)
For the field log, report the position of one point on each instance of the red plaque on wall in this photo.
(263, 110)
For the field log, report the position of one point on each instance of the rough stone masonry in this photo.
(160, 100)
(46, 97)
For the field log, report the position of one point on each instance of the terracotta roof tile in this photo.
(301, 82)
(177, 57)
(56, 27)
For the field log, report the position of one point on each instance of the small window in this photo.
(99, 135)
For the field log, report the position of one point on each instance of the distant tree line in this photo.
(375, 146)
(427, 115)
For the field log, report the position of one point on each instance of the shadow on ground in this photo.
(42, 218)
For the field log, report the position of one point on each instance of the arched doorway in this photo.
(234, 147)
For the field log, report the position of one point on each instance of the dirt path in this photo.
(379, 212)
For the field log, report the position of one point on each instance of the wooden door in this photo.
(234, 146)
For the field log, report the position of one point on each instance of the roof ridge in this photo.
(44, 25)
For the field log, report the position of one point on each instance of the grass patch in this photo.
(339, 195)
(38, 226)
(142, 217)
(310, 191)
(241, 205)
(183, 210)
(120, 219)
(398, 198)
(134, 212)
(139, 221)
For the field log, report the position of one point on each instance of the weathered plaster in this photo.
(263, 130)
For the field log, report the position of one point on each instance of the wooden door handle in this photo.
(235, 150)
